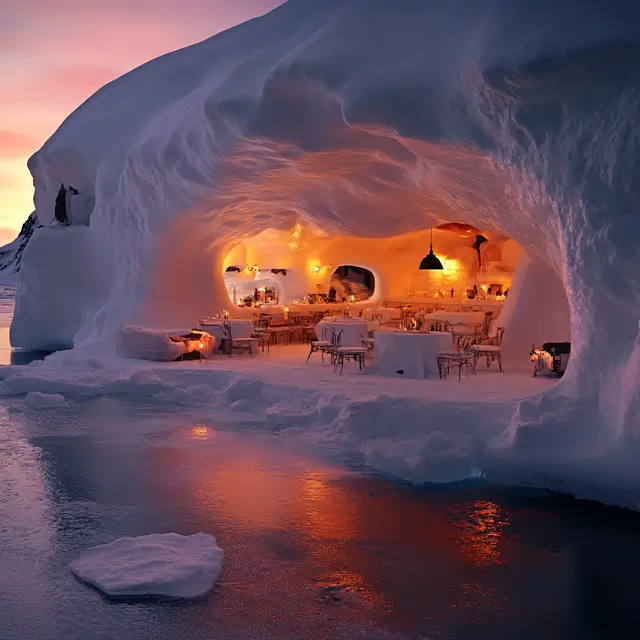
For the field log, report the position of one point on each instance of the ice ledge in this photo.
(418, 430)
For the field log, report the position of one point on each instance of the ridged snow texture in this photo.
(374, 118)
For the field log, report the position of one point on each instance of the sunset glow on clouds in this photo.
(55, 54)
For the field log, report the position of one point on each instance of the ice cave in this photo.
(348, 132)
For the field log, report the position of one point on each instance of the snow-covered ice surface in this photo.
(165, 564)
(38, 400)
(422, 431)
(368, 118)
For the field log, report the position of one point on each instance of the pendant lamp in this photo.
(431, 262)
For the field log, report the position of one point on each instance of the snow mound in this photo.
(38, 400)
(166, 564)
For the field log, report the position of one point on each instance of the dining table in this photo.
(460, 321)
(409, 354)
(352, 330)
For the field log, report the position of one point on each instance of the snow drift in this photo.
(371, 118)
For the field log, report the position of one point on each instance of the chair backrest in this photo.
(443, 325)
(336, 339)
(226, 331)
(499, 335)
(464, 342)
(300, 320)
(262, 323)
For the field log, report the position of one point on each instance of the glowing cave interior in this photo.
(301, 264)
(303, 269)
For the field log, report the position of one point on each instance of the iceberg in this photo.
(369, 119)
(166, 564)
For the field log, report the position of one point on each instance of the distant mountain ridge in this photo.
(11, 254)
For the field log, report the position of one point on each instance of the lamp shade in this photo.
(431, 262)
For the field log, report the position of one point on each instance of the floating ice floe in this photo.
(168, 564)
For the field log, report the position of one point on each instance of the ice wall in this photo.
(375, 118)
(64, 278)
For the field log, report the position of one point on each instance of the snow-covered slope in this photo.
(371, 118)
(11, 254)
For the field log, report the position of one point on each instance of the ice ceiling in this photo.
(368, 118)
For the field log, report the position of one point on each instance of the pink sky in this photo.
(55, 54)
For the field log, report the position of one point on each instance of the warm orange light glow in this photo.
(480, 532)
(200, 430)
(315, 268)
(451, 266)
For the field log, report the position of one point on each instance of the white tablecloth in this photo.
(413, 353)
(459, 318)
(239, 329)
(386, 314)
(352, 331)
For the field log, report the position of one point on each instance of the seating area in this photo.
(405, 342)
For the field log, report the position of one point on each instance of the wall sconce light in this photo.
(249, 267)
(315, 269)
(255, 267)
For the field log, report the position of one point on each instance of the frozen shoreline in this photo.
(421, 431)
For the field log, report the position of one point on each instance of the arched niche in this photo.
(352, 283)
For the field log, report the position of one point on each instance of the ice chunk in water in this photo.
(153, 565)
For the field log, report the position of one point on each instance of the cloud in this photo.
(54, 54)
(63, 86)
(14, 144)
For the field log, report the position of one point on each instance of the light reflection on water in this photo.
(312, 550)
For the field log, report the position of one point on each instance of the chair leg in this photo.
(499, 357)
(310, 352)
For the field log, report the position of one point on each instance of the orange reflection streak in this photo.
(201, 431)
(245, 491)
(480, 531)
(329, 516)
